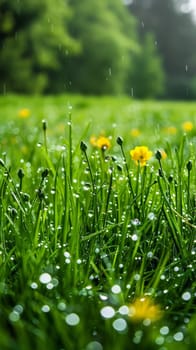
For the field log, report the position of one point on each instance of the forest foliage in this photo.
(144, 48)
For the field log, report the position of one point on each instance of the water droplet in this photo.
(147, 322)
(72, 319)
(94, 345)
(103, 297)
(34, 285)
(179, 336)
(135, 222)
(116, 289)
(14, 316)
(159, 340)
(45, 278)
(186, 296)
(164, 330)
(134, 237)
(67, 254)
(150, 255)
(45, 308)
(137, 277)
(107, 312)
(119, 324)
(123, 310)
(18, 308)
(151, 216)
(61, 306)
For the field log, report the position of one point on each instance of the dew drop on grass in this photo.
(123, 310)
(107, 312)
(14, 316)
(159, 340)
(67, 255)
(164, 330)
(45, 308)
(179, 336)
(18, 308)
(103, 297)
(150, 255)
(134, 237)
(151, 216)
(45, 278)
(50, 286)
(116, 289)
(137, 277)
(34, 285)
(94, 345)
(186, 296)
(119, 324)
(61, 306)
(72, 319)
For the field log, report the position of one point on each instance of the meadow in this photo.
(97, 223)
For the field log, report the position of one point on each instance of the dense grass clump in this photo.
(97, 225)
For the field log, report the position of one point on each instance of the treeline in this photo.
(144, 48)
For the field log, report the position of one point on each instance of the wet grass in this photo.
(97, 250)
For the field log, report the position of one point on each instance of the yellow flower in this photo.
(141, 154)
(101, 142)
(135, 132)
(144, 308)
(171, 130)
(187, 126)
(24, 113)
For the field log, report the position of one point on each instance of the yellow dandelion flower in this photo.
(144, 308)
(135, 132)
(24, 113)
(101, 142)
(171, 130)
(141, 154)
(187, 126)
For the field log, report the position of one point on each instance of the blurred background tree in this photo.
(140, 47)
(31, 34)
(175, 36)
(107, 36)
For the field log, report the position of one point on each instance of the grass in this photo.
(97, 251)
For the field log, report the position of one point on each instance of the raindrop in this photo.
(103, 297)
(124, 310)
(164, 330)
(34, 285)
(135, 222)
(94, 345)
(14, 316)
(179, 336)
(159, 340)
(45, 278)
(67, 255)
(50, 286)
(45, 308)
(61, 306)
(186, 296)
(137, 277)
(150, 255)
(116, 289)
(151, 216)
(119, 324)
(18, 308)
(147, 322)
(72, 319)
(107, 312)
(134, 237)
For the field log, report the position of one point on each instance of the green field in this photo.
(97, 237)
